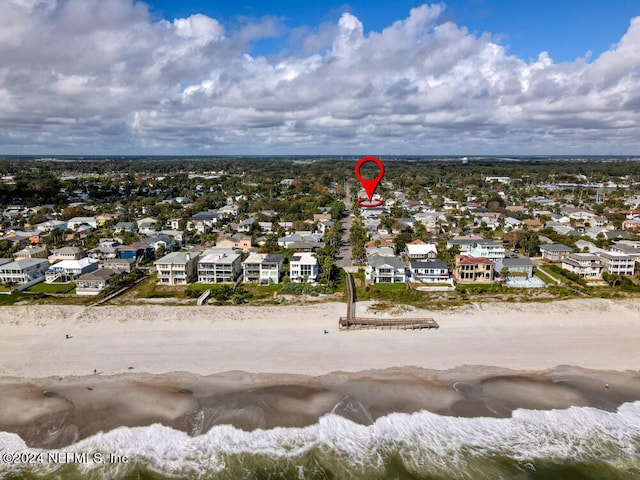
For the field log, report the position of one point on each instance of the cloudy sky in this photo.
(368, 77)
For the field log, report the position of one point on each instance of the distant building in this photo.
(555, 252)
(122, 227)
(487, 249)
(203, 222)
(421, 251)
(137, 251)
(31, 251)
(177, 268)
(236, 241)
(50, 225)
(66, 253)
(147, 226)
(121, 264)
(75, 222)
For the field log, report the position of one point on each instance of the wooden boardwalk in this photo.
(360, 323)
(352, 322)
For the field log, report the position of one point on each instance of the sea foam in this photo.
(424, 442)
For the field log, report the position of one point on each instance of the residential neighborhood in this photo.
(527, 228)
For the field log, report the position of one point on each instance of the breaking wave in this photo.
(532, 444)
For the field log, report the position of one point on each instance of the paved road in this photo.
(345, 253)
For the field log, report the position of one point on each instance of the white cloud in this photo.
(96, 76)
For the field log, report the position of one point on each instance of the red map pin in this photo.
(369, 185)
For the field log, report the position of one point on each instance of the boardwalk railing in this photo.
(351, 301)
(355, 323)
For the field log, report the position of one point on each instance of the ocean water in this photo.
(576, 443)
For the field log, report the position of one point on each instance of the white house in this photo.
(70, 270)
(586, 265)
(487, 249)
(385, 270)
(421, 251)
(147, 226)
(219, 268)
(77, 221)
(262, 268)
(617, 263)
(25, 271)
(177, 268)
(66, 253)
(50, 225)
(304, 268)
(433, 271)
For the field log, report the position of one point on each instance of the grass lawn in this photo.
(52, 288)
(389, 287)
(463, 287)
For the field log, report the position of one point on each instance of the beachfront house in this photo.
(555, 252)
(177, 268)
(385, 270)
(430, 271)
(26, 271)
(617, 263)
(262, 268)
(304, 268)
(517, 268)
(586, 265)
(93, 283)
(219, 267)
(70, 270)
(472, 270)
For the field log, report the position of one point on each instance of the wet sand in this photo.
(55, 412)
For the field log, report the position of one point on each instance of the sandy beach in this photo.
(590, 333)
(192, 368)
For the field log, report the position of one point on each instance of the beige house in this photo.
(472, 270)
(236, 241)
(177, 268)
(31, 251)
(66, 253)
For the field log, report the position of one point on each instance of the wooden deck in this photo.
(360, 323)
(352, 322)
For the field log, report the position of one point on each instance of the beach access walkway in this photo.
(352, 322)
